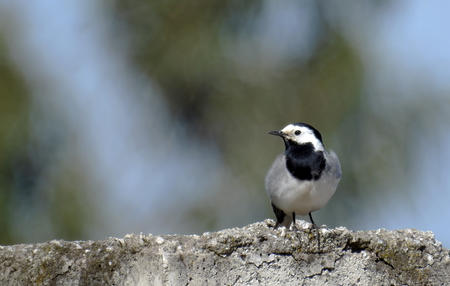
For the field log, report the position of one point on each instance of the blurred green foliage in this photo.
(186, 47)
(14, 112)
(39, 197)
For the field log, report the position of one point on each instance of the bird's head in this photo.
(299, 134)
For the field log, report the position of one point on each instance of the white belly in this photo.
(302, 197)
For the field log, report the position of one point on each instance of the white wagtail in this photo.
(304, 178)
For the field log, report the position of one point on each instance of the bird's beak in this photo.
(277, 133)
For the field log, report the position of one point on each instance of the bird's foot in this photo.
(294, 226)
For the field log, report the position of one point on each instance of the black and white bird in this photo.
(304, 177)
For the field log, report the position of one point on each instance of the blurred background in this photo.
(152, 116)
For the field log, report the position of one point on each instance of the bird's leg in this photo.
(312, 221)
(294, 226)
(317, 228)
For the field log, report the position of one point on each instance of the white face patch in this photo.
(306, 136)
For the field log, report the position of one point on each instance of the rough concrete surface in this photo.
(256, 254)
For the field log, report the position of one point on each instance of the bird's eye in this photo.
(297, 132)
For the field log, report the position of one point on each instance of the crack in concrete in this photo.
(329, 269)
(236, 280)
(380, 259)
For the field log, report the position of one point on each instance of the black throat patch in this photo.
(303, 162)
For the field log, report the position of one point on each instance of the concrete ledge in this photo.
(252, 255)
